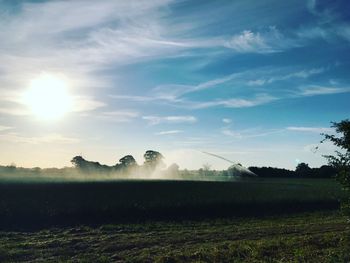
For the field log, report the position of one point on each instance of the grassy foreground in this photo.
(313, 237)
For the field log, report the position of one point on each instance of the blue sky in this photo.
(254, 81)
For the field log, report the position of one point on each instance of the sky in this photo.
(253, 81)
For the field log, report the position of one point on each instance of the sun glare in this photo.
(48, 97)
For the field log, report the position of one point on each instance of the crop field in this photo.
(247, 220)
(26, 204)
(311, 237)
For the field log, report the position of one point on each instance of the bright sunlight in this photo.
(48, 97)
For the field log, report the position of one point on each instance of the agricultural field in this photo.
(246, 220)
(311, 237)
(42, 203)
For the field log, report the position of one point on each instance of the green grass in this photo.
(312, 237)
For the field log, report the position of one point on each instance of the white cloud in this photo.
(226, 120)
(320, 90)
(153, 120)
(268, 41)
(133, 98)
(299, 74)
(231, 133)
(4, 128)
(310, 129)
(168, 132)
(16, 111)
(248, 42)
(259, 99)
(256, 82)
(54, 138)
(172, 92)
(249, 133)
(120, 115)
(86, 104)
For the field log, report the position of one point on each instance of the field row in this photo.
(313, 237)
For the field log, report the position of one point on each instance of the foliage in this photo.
(341, 159)
(302, 171)
(127, 161)
(205, 170)
(127, 164)
(153, 159)
(88, 166)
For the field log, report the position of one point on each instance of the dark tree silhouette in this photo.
(325, 171)
(303, 170)
(268, 172)
(153, 159)
(82, 164)
(78, 161)
(341, 159)
(127, 161)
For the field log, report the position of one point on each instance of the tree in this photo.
(173, 170)
(206, 169)
(153, 159)
(303, 170)
(82, 164)
(78, 161)
(341, 160)
(127, 161)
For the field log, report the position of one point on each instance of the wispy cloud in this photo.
(325, 15)
(249, 42)
(120, 115)
(153, 120)
(328, 25)
(86, 104)
(134, 98)
(15, 111)
(226, 120)
(259, 99)
(249, 133)
(321, 90)
(231, 133)
(4, 128)
(176, 95)
(54, 138)
(299, 74)
(259, 42)
(310, 129)
(168, 132)
(174, 91)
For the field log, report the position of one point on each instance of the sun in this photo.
(47, 97)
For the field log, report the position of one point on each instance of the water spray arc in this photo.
(236, 169)
(220, 157)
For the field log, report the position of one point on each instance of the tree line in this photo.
(153, 160)
(301, 171)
